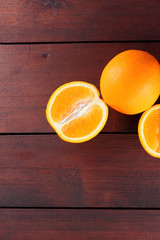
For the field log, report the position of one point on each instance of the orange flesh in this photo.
(73, 96)
(152, 130)
(85, 124)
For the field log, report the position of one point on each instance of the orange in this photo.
(76, 112)
(130, 82)
(149, 130)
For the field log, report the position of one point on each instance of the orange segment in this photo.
(85, 124)
(74, 96)
(149, 130)
(76, 112)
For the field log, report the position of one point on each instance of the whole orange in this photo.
(130, 82)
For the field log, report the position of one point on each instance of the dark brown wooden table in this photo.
(107, 188)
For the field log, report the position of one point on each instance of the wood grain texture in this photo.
(112, 170)
(79, 224)
(92, 20)
(30, 74)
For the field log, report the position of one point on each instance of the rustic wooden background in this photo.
(107, 188)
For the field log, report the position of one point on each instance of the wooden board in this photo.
(92, 20)
(107, 188)
(80, 224)
(30, 74)
(111, 170)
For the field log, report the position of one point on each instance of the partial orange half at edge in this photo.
(76, 112)
(149, 130)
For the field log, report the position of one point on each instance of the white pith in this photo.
(79, 111)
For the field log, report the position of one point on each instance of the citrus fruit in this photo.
(130, 82)
(76, 112)
(149, 130)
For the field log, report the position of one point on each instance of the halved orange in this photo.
(149, 130)
(76, 112)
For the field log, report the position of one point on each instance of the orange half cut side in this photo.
(149, 130)
(76, 112)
